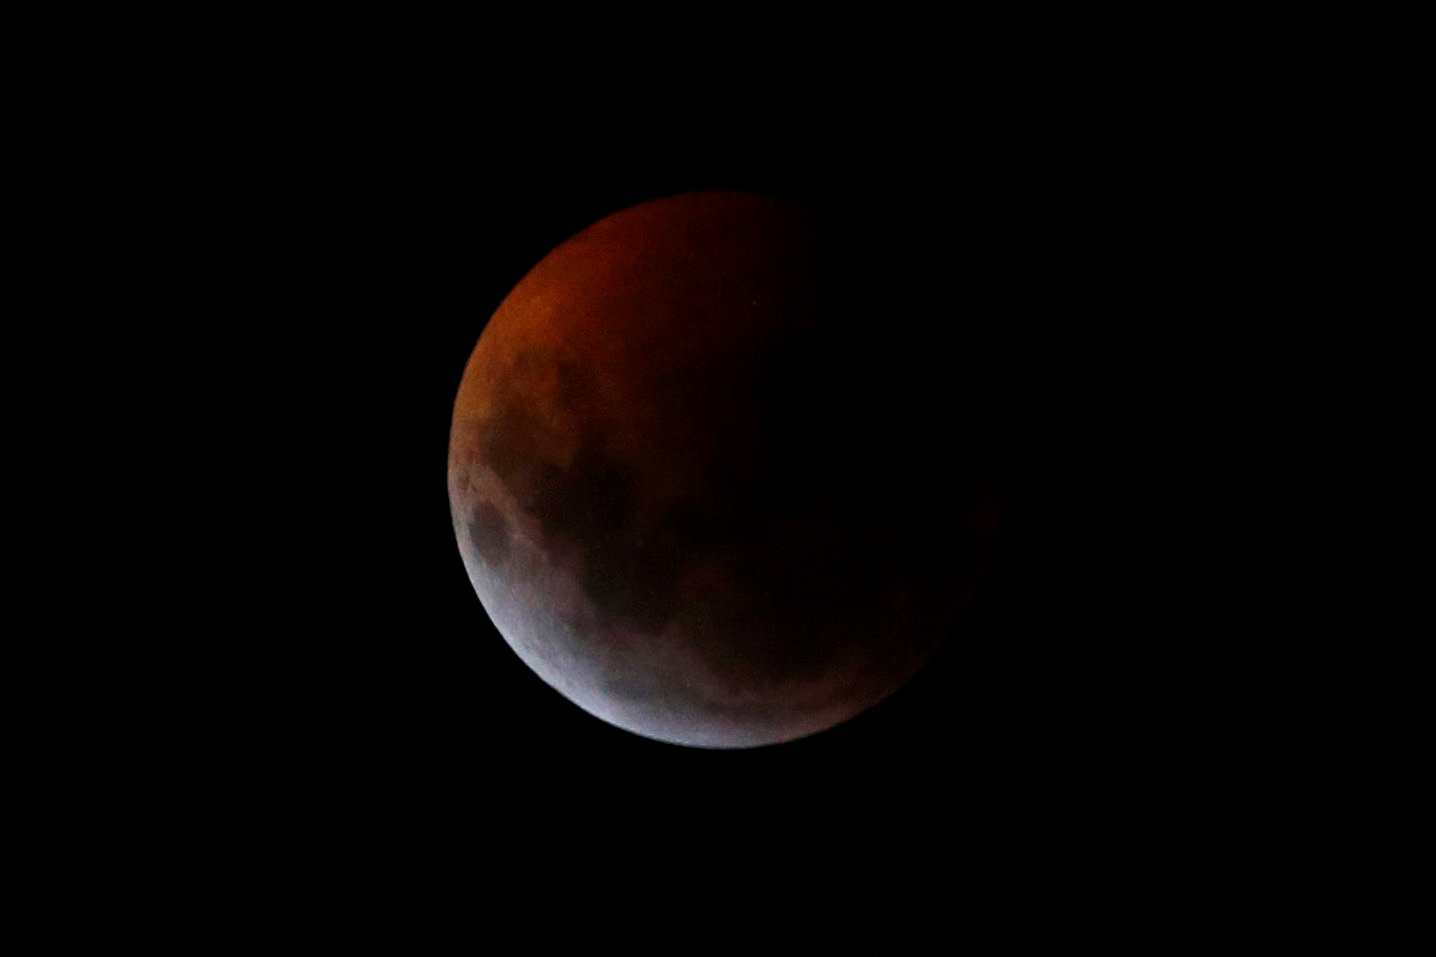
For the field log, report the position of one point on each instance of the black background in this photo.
(378, 687)
(318, 692)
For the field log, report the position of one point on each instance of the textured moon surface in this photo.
(707, 481)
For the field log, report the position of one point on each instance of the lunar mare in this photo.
(695, 497)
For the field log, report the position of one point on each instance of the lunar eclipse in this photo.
(713, 476)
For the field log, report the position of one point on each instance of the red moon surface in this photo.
(712, 476)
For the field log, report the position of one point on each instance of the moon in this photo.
(713, 477)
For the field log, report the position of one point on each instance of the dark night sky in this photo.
(394, 683)
(335, 706)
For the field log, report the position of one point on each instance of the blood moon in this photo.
(713, 478)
